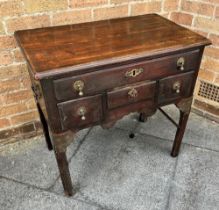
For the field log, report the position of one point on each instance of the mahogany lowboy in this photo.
(95, 73)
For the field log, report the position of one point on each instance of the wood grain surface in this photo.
(109, 40)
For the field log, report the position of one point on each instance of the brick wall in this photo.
(202, 16)
(18, 115)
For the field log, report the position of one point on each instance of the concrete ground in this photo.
(112, 171)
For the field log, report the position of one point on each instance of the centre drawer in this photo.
(101, 80)
(131, 94)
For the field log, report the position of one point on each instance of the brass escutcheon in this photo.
(181, 63)
(133, 93)
(134, 72)
(79, 86)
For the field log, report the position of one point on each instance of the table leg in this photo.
(184, 106)
(45, 128)
(179, 133)
(64, 172)
(142, 117)
(60, 143)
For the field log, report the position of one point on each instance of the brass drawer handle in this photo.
(177, 86)
(79, 86)
(133, 93)
(134, 72)
(181, 63)
(81, 112)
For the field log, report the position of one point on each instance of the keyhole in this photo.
(134, 73)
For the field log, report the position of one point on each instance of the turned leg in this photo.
(142, 117)
(60, 143)
(45, 128)
(184, 106)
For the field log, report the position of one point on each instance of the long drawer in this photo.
(95, 82)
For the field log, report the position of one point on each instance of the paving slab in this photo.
(20, 197)
(157, 125)
(200, 132)
(34, 164)
(122, 173)
(128, 122)
(196, 182)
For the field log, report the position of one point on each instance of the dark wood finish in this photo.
(73, 45)
(167, 92)
(64, 172)
(152, 69)
(114, 115)
(95, 73)
(70, 116)
(142, 117)
(45, 128)
(179, 133)
(130, 94)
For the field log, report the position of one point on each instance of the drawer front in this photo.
(94, 82)
(131, 94)
(81, 113)
(174, 87)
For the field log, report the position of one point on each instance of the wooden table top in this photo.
(52, 48)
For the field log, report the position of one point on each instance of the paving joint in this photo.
(171, 184)
(80, 144)
(70, 158)
(52, 192)
(183, 143)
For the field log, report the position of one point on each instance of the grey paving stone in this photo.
(128, 122)
(122, 173)
(15, 196)
(196, 184)
(35, 165)
(199, 132)
(157, 125)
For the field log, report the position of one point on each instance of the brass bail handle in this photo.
(81, 112)
(177, 86)
(79, 86)
(181, 63)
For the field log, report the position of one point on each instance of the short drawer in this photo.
(81, 113)
(101, 80)
(174, 87)
(131, 94)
